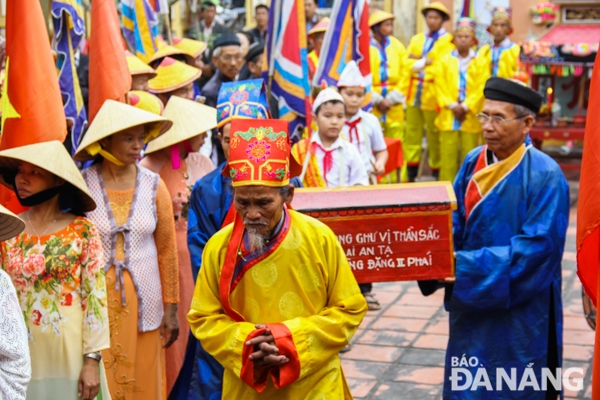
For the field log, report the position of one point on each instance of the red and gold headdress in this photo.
(503, 13)
(259, 153)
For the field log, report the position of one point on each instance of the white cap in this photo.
(328, 94)
(351, 76)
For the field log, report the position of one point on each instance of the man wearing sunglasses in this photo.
(509, 235)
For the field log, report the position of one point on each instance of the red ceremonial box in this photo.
(389, 233)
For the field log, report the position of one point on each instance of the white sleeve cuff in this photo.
(376, 97)
(395, 97)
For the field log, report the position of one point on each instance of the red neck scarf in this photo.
(327, 160)
(353, 131)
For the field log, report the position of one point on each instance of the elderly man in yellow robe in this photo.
(275, 300)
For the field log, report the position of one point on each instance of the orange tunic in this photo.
(194, 167)
(135, 363)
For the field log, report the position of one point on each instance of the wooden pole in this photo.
(168, 26)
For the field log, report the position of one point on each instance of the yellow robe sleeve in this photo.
(319, 338)
(221, 336)
(474, 98)
(444, 81)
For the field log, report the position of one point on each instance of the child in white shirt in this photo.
(361, 128)
(327, 159)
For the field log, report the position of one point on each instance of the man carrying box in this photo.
(509, 236)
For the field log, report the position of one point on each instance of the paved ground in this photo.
(398, 352)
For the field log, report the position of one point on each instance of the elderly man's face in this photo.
(504, 131)
(229, 61)
(261, 208)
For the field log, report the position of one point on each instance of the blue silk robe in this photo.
(201, 376)
(505, 307)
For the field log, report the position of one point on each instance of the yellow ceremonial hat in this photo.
(53, 157)
(145, 101)
(165, 51)
(172, 75)
(437, 6)
(190, 47)
(321, 26)
(137, 66)
(190, 119)
(379, 16)
(115, 117)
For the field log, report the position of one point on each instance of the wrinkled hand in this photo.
(89, 380)
(169, 328)
(379, 168)
(266, 353)
(384, 106)
(459, 112)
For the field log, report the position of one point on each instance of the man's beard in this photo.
(257, 241)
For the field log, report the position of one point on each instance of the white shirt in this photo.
(15, 365)
(370, 138)
(464, 61)
(505, 43)
(347, 168)
(207, 30)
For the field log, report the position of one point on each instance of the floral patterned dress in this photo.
(59, 280)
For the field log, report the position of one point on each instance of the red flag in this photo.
(109, 76)
(32, 107)
(588, 209)
(588, 212)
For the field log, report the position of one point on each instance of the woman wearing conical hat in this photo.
(174, 156)
(140, 72)
(135, 220)
(57, 268)
(175, 78)
(15, 364)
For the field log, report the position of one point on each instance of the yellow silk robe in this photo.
(410, 84)
(447, 85)
(304, 285)
(507, 68)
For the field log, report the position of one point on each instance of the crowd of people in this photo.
(173, 266)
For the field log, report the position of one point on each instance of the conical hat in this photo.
(172, 75)
(190, 47)
(437, 6)
(137, 66)
(54, 158)
(321, 26)
(189, 118)
(10, 224)
(378, 17)
(165, 51)
(115, 117)
(145, 101)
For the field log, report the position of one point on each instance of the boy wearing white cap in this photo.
(327, 159)
(361, 128)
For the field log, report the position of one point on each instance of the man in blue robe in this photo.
(509, 234)
(201, 376)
